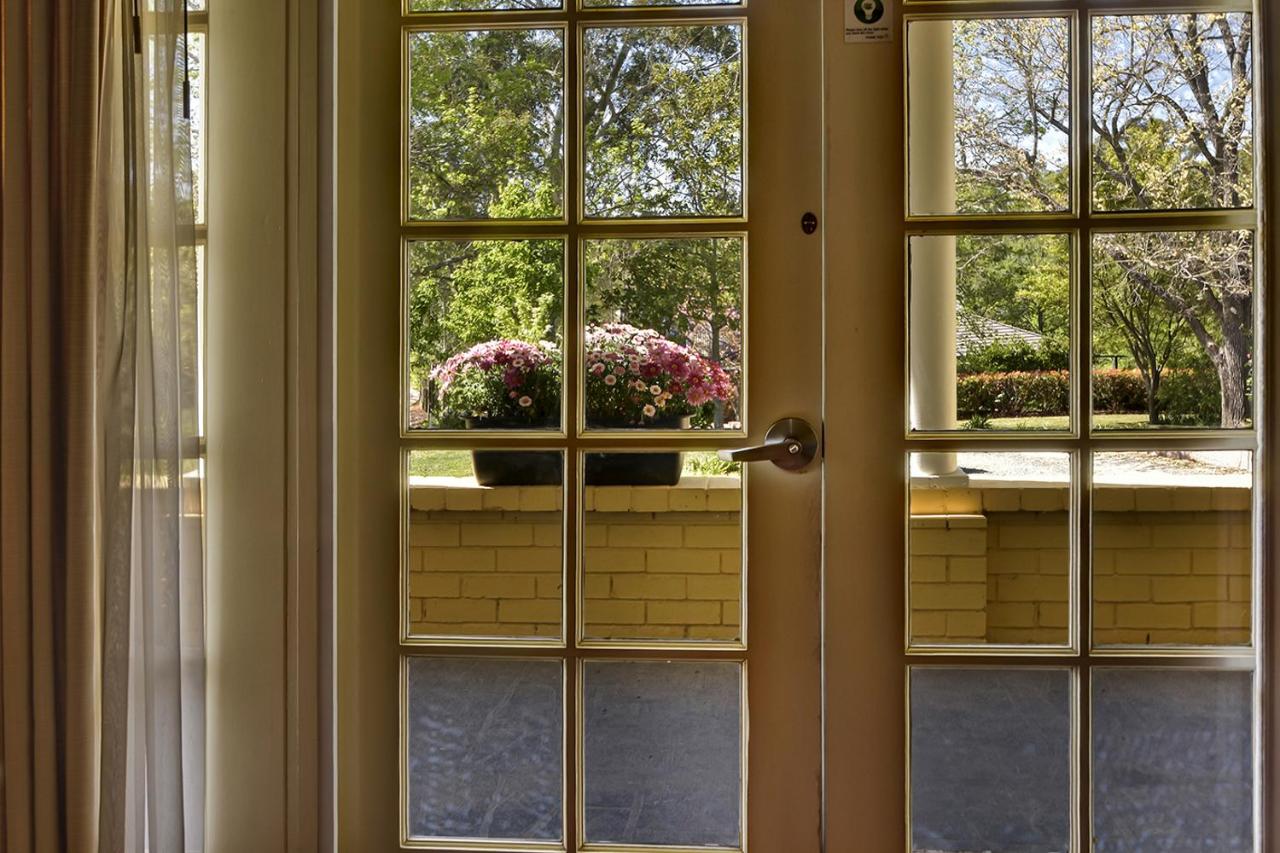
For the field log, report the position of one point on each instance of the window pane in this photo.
(1002, 142)
(1173, 111)
(486, 543)
(1172, 761)
(589, 4)
(1173, 330)
(480, 5)
(484, 748)
(484, 333)
(486, 124)
(990, 548)
(990, 760)
(1172, 548)
(662, 753)
(664, 333)
(197, 73)
(663, 545)
(663, 121)
(990, 329)
(202, 295)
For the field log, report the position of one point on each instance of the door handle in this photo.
(790, 443)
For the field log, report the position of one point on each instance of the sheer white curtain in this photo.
(150, 502)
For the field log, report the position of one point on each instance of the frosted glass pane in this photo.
(990, 760)
(663, 753)
(1172, 762)
(485, 745)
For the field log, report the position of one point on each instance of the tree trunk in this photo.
(1152, 378)
(1231, 360)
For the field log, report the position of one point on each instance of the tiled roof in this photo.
(974, 331)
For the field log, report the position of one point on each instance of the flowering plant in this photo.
(636, 376)
(511, 382)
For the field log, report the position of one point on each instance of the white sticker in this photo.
(868, 20)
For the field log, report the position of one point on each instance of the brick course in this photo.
(659, 562)
(1170, 565)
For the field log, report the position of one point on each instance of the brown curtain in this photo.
(50, 53)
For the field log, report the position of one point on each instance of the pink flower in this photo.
(526, 401)
(611, 380)
(649, 411)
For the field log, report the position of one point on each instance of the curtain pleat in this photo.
(48, 627)
(150, 505)
(101, 574)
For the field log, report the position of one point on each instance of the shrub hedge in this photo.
(1117, 392)
(1187, 396)
(1013, 394)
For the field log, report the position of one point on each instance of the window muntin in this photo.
(1173, 471)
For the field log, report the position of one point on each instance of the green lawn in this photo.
(1062, 422)
(457, 463)
(440, 463)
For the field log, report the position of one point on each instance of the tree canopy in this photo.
(1171, 129)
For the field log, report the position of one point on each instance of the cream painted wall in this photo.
(266, 581)
(246, 426)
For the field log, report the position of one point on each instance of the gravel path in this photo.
(1163, 468)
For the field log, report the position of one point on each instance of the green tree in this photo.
(1172, 129)
(663, 127)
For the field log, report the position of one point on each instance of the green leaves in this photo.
(486, 124)
(663, 121)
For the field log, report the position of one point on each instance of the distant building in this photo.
(974, 331)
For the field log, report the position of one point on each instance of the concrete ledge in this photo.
(463, 494)
(1054, 497)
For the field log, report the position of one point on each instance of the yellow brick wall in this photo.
(1171, 566)
(949, 578)
(660, 562)
(662, 575)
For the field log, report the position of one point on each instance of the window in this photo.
(574, 274)
(1082, 542)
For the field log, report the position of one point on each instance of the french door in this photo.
(574, 263)
(1045, 570)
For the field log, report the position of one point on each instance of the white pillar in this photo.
(932, 190)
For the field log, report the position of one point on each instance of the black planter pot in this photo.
(546, 467)
(516, 467)
(637, 469)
